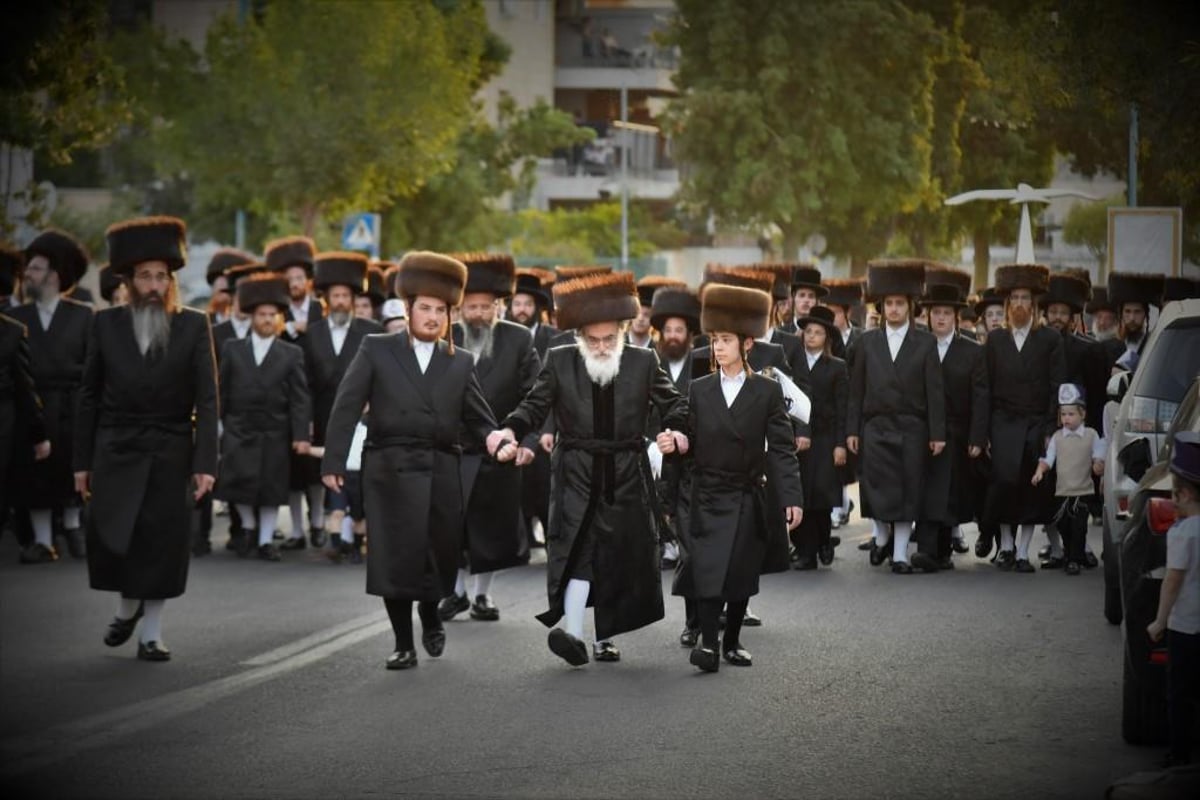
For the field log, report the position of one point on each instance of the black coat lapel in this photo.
(407, 358)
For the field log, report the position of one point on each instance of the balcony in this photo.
(606, 48)
(593, 172)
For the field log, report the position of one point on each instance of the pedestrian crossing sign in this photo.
(361, 232)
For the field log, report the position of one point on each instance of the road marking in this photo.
(313, 639)
(32, 751)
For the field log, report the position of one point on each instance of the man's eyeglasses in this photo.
(595, 343)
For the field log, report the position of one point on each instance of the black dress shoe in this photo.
(923, 562)
(1045, 552)
(738, 657)
(1090, 561)
(1054, 562)
(706, 659)
(960, 546)
(606, 651)
(1072, 568)
(402, 659)
(236, 542)
(689, 637)
(269, 552)
(452, 606)
(484, 609)
(567, 647)
(864, 546)
(119, 630)
(901, 568)
(804, 564)
(294, 543)
(317, 537)
(434, 641)
(835, 541)
(945, 563)
(1023, 565)
(38, 553)
(1005, 561)
(983, 546)
(825, 554)
(153, 651)
(76, 543)
(751, 620)
(879, 554)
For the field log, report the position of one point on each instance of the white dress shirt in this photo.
(845, 336)
(731, 386)
(337, 333)
(676, 367)
(46, 312)
(944, 345)
(299, 314)
(895, 337)
(261, 345)
(812, 358)
(1020, 335)
(241, 327)
(424, 352)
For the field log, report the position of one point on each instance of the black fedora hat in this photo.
(819, 315)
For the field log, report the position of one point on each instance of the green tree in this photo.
(584, 235)
(1087, 225)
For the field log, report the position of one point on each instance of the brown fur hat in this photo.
(649, 284)
(744, 277)
(223, 260)
(571, 272)
(945, 275)
(243, 271)
(783, 271)
(135, 241)
(1070, 290)
(66, 256)
(340, 269)
(264, 288)
(610, 297)
(290, 251)
(1033, 277)
(1099, 301)
(423, 272)
(675, 301)
(1135, 287)
(1078, 272)
(845, 292)
(734, 309)
(892, 276)
(494, 273)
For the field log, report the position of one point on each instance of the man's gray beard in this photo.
(601, 370)
(479, 338)
(151, 328)
(31, 293)
(339, 318)
(1105, 335)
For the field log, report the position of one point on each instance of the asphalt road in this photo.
(973, 683)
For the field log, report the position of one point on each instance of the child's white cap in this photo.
(1070, 395)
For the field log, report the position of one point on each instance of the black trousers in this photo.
(934, 539)
(400, 615)
(812, 533)
(1183, 692)
(1072, 525)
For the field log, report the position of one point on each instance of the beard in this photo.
(151, 326)
(523, 318)
(31, 292)
(672, 349)
(339, 317)
(1104, 335)
(601, 369)
(479, 338)
(1133, 333)
(1020, 316)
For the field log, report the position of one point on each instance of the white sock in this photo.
(1056, 543)
(845, 501)
(835, 515)
(483, 583)
(43, 533)
(127, 607)
(671, 551)
(460, 583)
(347, 529)
(316, 505)
(267, 516)
(900, 541)
(1006, 538)
(71, 517)
(956, 533)
(152, 621)
(296, 510)
(882, 532)
(1023, 539)
(574, 604)
(246, 515)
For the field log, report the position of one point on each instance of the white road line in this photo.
(29, 752)
(300, 645)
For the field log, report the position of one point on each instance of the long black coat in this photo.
(264, 408)
(145, 426)
(1024, 413)
(1084, 360)
(725, 516)
(542, 338)
(600, 481)
(20, 406)
(412, 491)
(56, 361)
(792, 344)
(325, 368)
(495, 526)
(899, 407)
(950, 485)
(827, 386)
(224, 332)
(316, 311)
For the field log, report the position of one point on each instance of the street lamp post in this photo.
(624, 173)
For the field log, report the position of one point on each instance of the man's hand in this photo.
(1097, 467)
(497, 438)
(525, 456)
(1156, 630)
(803, 443)
(204, 484)
(332, 482)
(546, 440)
(974, 451)
(839, 456)
(937, 447)
(300, 325)
(41, 451)
(852, 443)
(665, 442)
(794, 516)
(83, 484)
(302, 448)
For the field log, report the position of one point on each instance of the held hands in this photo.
(1039, 473)
(670, 441)
(936, 448)
(204, 484)
(794, 516)
(332, 482)
(974, 451)
(546, 442)
(1097, 467)
(839, 456)
(302, 448)
(852, 443)
(524, 456)
(41, 451)
(803, 443)
(499, 440)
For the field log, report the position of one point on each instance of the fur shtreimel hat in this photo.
(263, 289)
(65, 255)
(675, 301)
(493, 273)
(1176, 288)
(782, 270)
(945, 275)
(649, 284)
(744, 277)
(340, 269)
(897, 276)
(610, 297)
(1135, 287)
(223, 260)
(1033, 277)
(942, 294)
(136, 241)
(243, 271)
(734, 309)
(1070, 290)
(290, 251)
(429, 274)
(845, 292)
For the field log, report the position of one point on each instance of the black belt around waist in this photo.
(603, 464)
(414, 442)
(744, 480)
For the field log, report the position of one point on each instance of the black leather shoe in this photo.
(945, 563)
(434, 641)
(402, 659)
(76, 544)
(1005, 561)
(1090, 561)
(1054, 562)
(1023, 565)
(751, 620)
(738, 657)
(452, 606)
(269, 552)
(1045, 552)
(567, 647)
(879, 554)
(825, 554)
(236, 543)
(317, 537)
(484, 609)
(864, 546)
(923, 562)
(960, 546)
(704, 658)
(804, 564)
(689, 637)
(606, 651)
(834, 541)
(38, 553)
(294, 543)
(153, 651)
(1072, 568)
(983, 546)
(901, 568)
(119, 630)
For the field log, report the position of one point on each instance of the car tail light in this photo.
(1161, 515)
(1123, 504)
(1159, 656)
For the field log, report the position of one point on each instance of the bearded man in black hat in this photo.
(58, 335)
(146, 433)
(293, 258)
(266, 412)
(528, 306)
(896, 419)
(641, 331)
(1132, 294)
(602, 544)
(1103, 314)
(218, 281)
(506, 365)
(424, 401)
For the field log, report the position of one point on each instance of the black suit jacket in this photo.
(224, 332)
(542, 338)
(316, 311)
(910, 386)
(508, 375)
(20, 406)
(793, 347)
(1085, 362)
(325, 368)
(1024, 397)
(964, 373)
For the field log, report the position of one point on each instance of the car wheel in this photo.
(1143, 712)
(1113, 612)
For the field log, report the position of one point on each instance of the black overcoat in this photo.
(325, 368)
(146, 424)
(950, 487)
(21, 420)
(542, 338)
(264, 408)
(412, 490)
(601, 484)
(827, 385)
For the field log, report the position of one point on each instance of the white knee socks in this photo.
(575, 604)
(1006, 538)
(71, 517)
(882, 532)
(127, 607)
(1055, 538)
(483, 583)
(956, 533)
(900, 541)
(1023, 539)
(267, 517)
(152, 621)
(460, 583)
(43, 534)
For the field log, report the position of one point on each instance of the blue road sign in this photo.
(361, 232)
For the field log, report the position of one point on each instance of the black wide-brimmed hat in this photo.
(988, 297)
(1135, 287)
(675, 301)
(376, 285)
(1033, 277)
(291, 251)
(1099, 301)
(429, 274)
(942, 294)
(491, 273)
(339, 268)
(1069, 290)
(109, 283)
(649, 284)
(265, 288)
(223, 260)
(807, 276)
(136, 241)
(530, 283)
(819, 315)
(895, 276)
(844, 292)
(937, 274)
(64, 254)
(734, 309)
(605, 297)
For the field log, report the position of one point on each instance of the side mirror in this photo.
(1135, 458)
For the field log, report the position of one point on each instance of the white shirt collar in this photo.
(812, 357)
(334, 326)
(262, 340)
(740, 377)
(50, 307)
(1022, 332)
(946, 340)
(901, 331)
(240, 326)
(1077, 432)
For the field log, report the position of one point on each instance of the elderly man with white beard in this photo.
(602, 543)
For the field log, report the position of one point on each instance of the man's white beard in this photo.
(479, 338)
(1105, 335)
(339, 318)
(601, 370)
(151, 328)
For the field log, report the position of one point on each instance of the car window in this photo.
(1187, 418)
(1173, 363)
